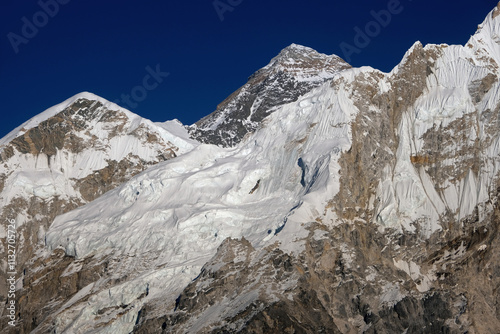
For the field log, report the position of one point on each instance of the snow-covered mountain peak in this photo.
(496, 11)
(71, 154)
(297, 48)
(305, 63)
(54, 110)
(90, 112)
(296, 52)
(492, 16)
(484, 45)
(365, 202)
(295, 71)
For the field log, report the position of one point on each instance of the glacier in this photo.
(160, 228)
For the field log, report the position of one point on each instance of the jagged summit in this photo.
(298, 49)
(305, 63)
(88, 110)
(496, 11)
(295, 71)
(295, 53)
(369, 204)
(52, 111)
(300, 56)
(71, 154)
(486, 40)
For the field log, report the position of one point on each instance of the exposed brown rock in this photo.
(350, 280)
(40, 214)
(6, 153)
(42, 295)
(351, 277)
(3, 177)
(341, 281)
(458, 142)
(114, 174)
(479, 88)
(420, 159)
(496, 12)
(268, 88)
(374, 133)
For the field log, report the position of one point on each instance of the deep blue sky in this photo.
(105, 46)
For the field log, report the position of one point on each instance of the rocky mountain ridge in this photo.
(367, 205)
(289, 75)
(68, 156)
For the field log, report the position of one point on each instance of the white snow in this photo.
(408, 193)
(270, 187)
(173, 216)
(423, 282)
(391, 295)
(47, 177)
(52, 111)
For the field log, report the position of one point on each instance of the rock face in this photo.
(370, 204)
(66, 157)
(291, 74)
(346, 281)
(409, 241)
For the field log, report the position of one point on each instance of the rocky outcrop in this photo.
(291, 74)
(368, 205)
(63, 162)
(350, 279)
(373, 267)
(114, 174)
(375, 132)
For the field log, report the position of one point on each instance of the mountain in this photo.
(289, 75)
(68, 156)
(367, 204)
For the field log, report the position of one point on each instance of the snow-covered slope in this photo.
(71, 154)
(447, 157)
(367, 204)
(57, 151)
(297, 169)
(175, 215)
(292, 73)
(399, 230)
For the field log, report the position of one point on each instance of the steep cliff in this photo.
(368, 203)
